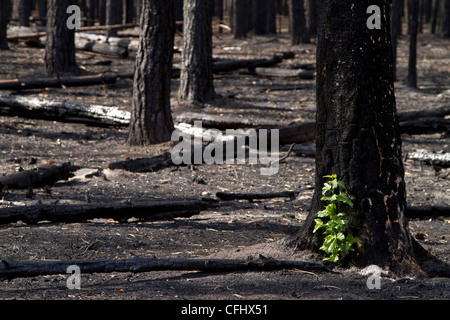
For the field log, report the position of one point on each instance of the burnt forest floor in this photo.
(235, 229)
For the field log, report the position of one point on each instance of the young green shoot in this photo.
(336, 241)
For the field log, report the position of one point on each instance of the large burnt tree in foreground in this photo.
(151, 118)
(358, 135)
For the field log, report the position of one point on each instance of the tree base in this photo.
(420, 263)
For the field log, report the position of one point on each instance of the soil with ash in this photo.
(235, 229)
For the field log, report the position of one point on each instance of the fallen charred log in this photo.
(153, 209)
(39, 177)
(16, 269)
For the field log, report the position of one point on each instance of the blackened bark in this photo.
(60, 44)
(113, 16)
(444, 19)
(259, 16)
(196, 80)
(297, 22)
(311, 17)
(179, 13)
(25, 12)
(5, 12)
(263, 17)
(240, 12)
(151, 118)
(42, 11)
(358, 136)
(271, 22)
(93, 13)
(102, 12)
(128, 11)
(218, 12)
(413, 26)
(396, 29)
(434, 16)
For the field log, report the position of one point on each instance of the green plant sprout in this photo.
(335, 240)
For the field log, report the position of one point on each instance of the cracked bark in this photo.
(196, 80)
(151, 118)
(60, 43)
(358, 135)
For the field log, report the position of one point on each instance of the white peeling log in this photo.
(66, 111)
(440, 159)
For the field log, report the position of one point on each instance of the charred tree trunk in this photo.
(25, 12)
(128, 11)
(271, 23)
(297, 22)
(396, 29)
(413, 26)
(196, 80)
(311, 17)
(60, 44)
(444, 19)
(151, 118)
(42, 11)
(263, 17)
(358, 135)
(434, 15)
(240, 11)
(113, 16)
(5, 12)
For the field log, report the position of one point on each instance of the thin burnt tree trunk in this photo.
(311, 17)
(25, 12)
(113, 16)
(196, 79)
(42, 11)
(5, 12)
(259, 16)
(297, 22)
(240, 11)
(358, 136)
(151, 118)
(396, 26)
(444, 19)
(218, 12)
(271, 23)
(60, 44)
(413, 26)
(434, 16)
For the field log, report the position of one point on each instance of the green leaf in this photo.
(331, 209)
(344, 198)
(322, 214)
(326, 188)
(319, 224)
(342, 185)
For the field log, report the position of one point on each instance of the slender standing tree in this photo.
(5, 12)
(239, 11)
(297, 22)
(196, 80)
(60, 44)
(358, 137)
(113, 15)
(444, 19)
(25, 12)
(413, 27)
(151, 118)
(311, 17)
(263, 17)
(396, 29)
